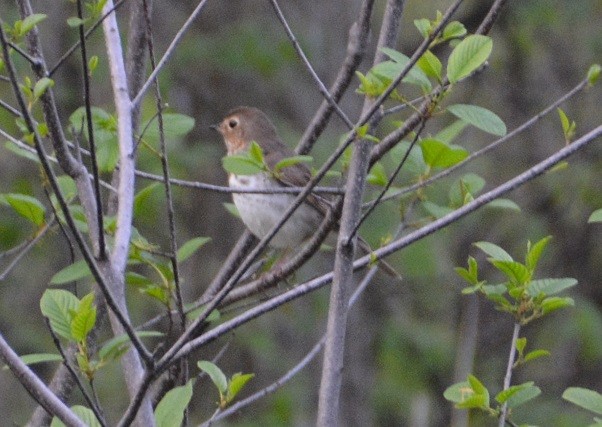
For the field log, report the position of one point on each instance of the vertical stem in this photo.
(508, 377)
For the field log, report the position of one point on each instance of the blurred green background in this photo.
(407, 341)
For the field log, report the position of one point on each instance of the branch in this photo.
(508, 377)
(398, 244)
(36, 388)
(356, 46)
(170, 50)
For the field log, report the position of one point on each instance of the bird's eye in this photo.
(232, 123)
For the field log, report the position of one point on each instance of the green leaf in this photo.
(436, 210)
(83, 413)
(75, 22)
(241, 165)
(468, 184)
(232, 209)
(236, 383)
(424, 26)
(170, 410)
(515, 271)
(536, 354)
(587, 399)
(216, 375)
(493, 251)
(534, 252)
(520, 394)
(476, 385)
(453, 30)
(468, 394)
(31, 21)
(118, 345)
(593, 74)
(57, 305)
(32, 359)
(551, 304)
(521, 343)
(42, 86)
(479, 117)
(450, 132)
(467, 56)
(392, 69)
(28, 207)
(550, 286)
(174, 126)
(596, 216)
(71, 273)
(291, 161)
(504, 204)
(84, 318)
(430, 65)
(141, 200)
(377, 175)
(21, 152)
(436, 154)
(190, 247)
(256, 153)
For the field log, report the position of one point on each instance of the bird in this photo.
(261, 212)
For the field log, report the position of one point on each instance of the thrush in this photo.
(261, 212)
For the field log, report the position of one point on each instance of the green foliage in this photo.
(249, 163)
(21, 27)
(228, 389)
(26, 206)
(32, 359)
(479, 117)
(587, 399)
(522, 296)
(174, 126)
(467, 56)
(452, 30)
(568, 126)
(437, 154)
(170, 410)
(190, 247)
(593, 74)
(104, 126)
(76, 271)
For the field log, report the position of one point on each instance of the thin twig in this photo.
(170, 50)
(308, 66)
(508, 376)
(396, 245)
(94, 268)
(92, 402)
(69, 51)
(35, 387)
(91, 140)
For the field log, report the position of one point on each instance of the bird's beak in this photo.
(214, 126)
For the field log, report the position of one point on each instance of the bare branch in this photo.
(170, 50)
(36, 388)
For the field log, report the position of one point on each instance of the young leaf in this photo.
(436, 154)
(57, 305)
(216, 375)
(585, 398)
(71, 273)
(31, 21)
(241, 165)
(236, 383)
(536, 354)
(550, 286)
(551, 304)
(430, 65)
(479, 117)
(142, 198)
(256, 153)
(377, 175)
(291, 161)
(593, 74)
(453, 30)
(516, 272)
(504, 204)
(596, 216)
(493, 251)
(170, 410)
(118, 345)
(26, 206)
(467, 56)
(42, 86)
(450, 132)
(190, 247)
(391, 70)
(231, 208)
(424, 26)
(84, 318)
(32, 359)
